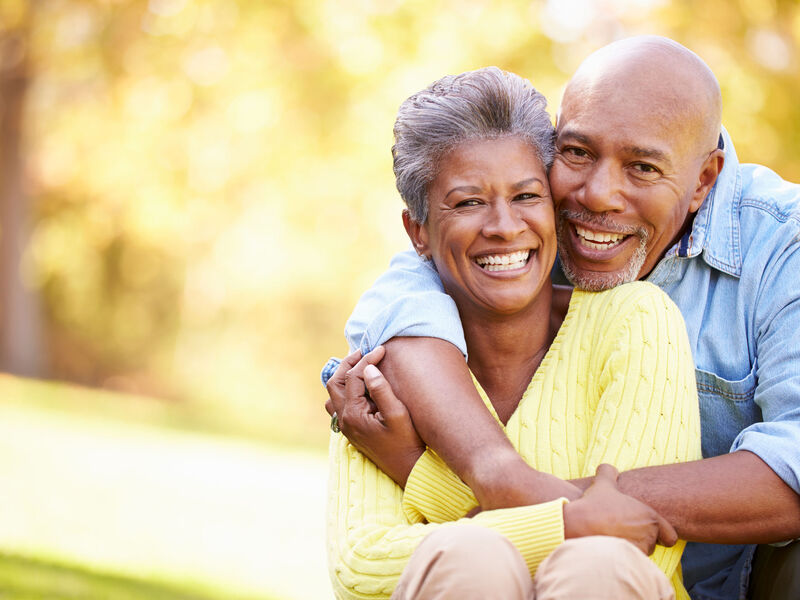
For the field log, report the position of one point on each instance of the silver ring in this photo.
(335, 423)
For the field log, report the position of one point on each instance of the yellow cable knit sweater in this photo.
(616, 386)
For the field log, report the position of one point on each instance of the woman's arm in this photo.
(370, 539)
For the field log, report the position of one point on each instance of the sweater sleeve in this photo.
(646, 409)
(370, 539)
(435, 493)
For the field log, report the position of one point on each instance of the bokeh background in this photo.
(193, 194)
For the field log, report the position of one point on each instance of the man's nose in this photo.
(603, 189)
(504, 221)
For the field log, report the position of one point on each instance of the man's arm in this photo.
(735, 498)
(431, 378)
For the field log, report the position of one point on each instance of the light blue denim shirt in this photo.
(736, 278)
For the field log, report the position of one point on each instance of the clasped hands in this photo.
(378, 424)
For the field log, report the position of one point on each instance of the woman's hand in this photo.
(372, 418)
(604, 510)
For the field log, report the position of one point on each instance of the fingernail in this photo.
(371, 371)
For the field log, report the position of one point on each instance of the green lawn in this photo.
(97, 504)
(30, 579)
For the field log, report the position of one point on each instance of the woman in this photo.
(576, 378)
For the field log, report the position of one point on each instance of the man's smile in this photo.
(598, 240)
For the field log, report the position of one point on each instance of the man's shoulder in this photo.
(753, 214)
(766, 194)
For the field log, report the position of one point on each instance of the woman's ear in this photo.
(418, 234)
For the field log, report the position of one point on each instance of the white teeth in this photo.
(504, 262)
(598, 240)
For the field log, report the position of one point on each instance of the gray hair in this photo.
(484, 104)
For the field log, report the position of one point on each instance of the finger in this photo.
(355, 419)
(329, 406)
(607, 472)
(337, 380)
(354, 386)
(667, 536)
(349, 361)
(389, 405)
(371, 358)
(605, 476)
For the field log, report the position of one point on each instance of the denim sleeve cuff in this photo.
(777, 443)
(425, 314)
(329, 369)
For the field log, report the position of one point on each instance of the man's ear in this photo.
(708, 176)
(417, 233)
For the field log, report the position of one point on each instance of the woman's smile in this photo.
(509, 261)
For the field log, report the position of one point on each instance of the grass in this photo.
(308, 433)
(110, 496)
(23, 578)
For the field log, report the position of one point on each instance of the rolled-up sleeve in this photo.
(407, 300)
(776, 440)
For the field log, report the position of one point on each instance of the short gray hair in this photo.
(488, 103)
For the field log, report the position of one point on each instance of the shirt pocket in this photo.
(726, 408)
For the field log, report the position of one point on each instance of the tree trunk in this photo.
(21, 349)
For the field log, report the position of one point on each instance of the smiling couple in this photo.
(566, 448)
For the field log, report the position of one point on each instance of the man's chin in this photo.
(597, 281)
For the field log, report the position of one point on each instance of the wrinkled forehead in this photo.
(651, 85)
(640, 111)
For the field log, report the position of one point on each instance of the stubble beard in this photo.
(595, 281)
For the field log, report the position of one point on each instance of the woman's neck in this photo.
(506, 350)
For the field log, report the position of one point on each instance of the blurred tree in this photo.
(209, 182)
(20, 326)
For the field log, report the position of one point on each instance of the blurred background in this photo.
(193, 194)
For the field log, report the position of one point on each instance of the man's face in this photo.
(624, 184)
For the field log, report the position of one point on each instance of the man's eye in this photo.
(468, 202)
(574, 152)
(645, 168)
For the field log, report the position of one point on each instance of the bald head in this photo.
(664, 76)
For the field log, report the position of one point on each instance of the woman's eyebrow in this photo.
(525, 183)
(467, 189)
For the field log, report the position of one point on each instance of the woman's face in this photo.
(490, 228)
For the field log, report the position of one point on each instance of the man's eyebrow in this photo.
(467, 189)
(653, 153)
(573, 135)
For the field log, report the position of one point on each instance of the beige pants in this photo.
(465, 561)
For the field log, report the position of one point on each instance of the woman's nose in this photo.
(504, 222)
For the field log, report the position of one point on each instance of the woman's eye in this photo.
(526, 196)
(468, 202)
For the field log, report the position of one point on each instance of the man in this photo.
(647, 186)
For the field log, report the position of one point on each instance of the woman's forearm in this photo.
(430, 376)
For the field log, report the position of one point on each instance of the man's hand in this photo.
(604, 510)
(372, 418)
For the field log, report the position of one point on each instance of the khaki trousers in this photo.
(465, 561)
